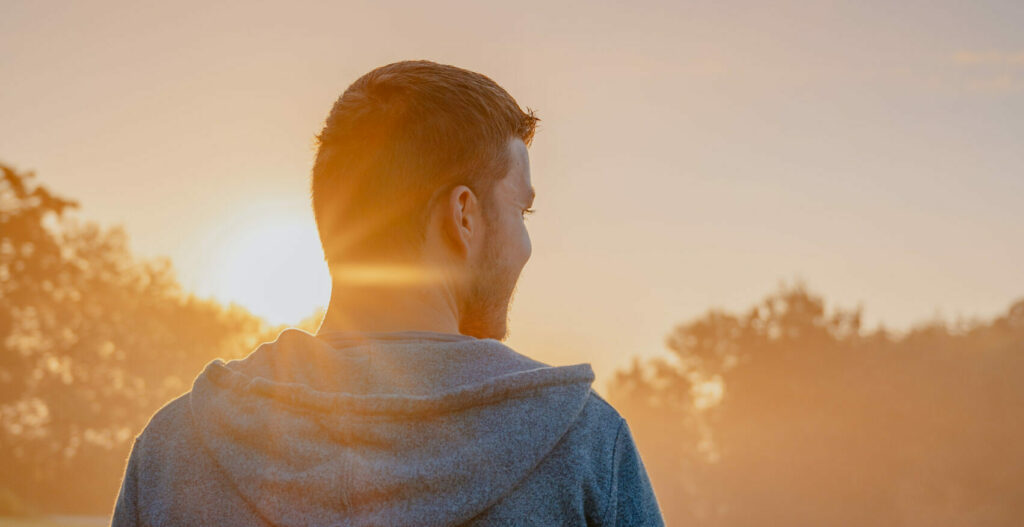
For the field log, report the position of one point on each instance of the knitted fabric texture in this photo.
(405, 428)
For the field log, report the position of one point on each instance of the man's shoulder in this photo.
(600, 414)
(572, 483)
(592, 436)
(167, 426)
(620, 490)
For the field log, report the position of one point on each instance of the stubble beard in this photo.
(484, 310)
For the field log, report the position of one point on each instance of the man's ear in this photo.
(461, 219)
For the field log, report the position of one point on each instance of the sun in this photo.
(268, 260)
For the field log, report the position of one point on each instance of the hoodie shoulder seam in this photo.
(613, 481)
(607, 405)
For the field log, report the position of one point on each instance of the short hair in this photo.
(395, 140)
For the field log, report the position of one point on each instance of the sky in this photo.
(691, 155)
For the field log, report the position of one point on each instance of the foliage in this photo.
(789, 415)
(94, 342)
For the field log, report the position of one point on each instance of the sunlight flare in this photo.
(268, 261)
(380, 274)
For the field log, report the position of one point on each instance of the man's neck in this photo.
(388, 309)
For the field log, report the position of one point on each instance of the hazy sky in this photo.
(691, 154)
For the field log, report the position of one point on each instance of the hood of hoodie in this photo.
(407, 428)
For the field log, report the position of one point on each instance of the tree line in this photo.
(792, 414)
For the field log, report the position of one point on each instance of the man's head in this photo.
(423, 165)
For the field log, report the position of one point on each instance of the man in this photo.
(405, 408)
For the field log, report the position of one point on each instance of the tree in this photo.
(791, 415)
(95, 340)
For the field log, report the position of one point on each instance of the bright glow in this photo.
(385, 275)
(268, 261)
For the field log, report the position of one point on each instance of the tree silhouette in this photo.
(791, 415)
(94, 341)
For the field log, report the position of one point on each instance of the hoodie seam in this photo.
(614, 475)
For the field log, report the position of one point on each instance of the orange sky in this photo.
(690, 155)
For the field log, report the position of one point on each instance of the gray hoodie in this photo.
(404, 428)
